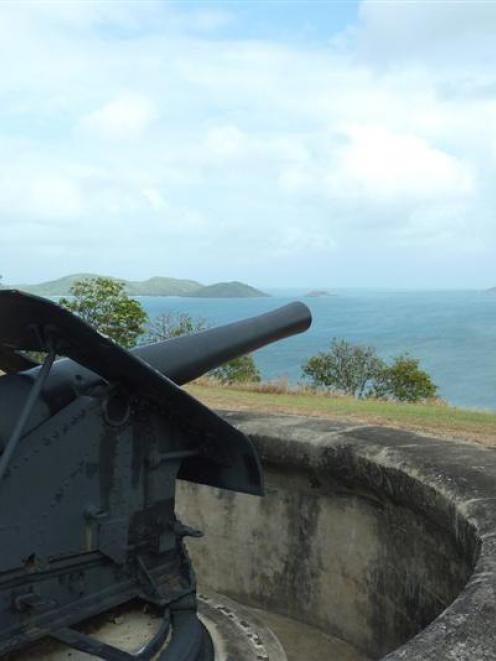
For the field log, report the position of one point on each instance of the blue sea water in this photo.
(453, 333)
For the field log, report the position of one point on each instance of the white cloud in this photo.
(156, 199)
(55, 196)
(43, 196)
(302, 239)
(225, 142)
(297, 180)
(382, 164)
(122, 118)
(132, 123)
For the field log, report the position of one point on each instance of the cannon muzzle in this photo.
(185, 358)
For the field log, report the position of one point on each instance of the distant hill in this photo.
(492, 290)
(227, 290)
(58, 287)
(157, 286)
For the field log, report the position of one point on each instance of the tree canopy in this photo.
(104, 304)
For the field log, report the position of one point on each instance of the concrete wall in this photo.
(350, 536)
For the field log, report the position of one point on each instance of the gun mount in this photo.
(90, 448)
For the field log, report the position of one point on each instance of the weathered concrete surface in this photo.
(237, 633)
(304, 643)
(386, 539)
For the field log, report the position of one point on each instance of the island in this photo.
(318, 293)
(156, 286)
(227, 290)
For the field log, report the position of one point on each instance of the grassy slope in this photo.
(435, 419)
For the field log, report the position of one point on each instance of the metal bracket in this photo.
(31, 600)
(28, 408)
(147, 581)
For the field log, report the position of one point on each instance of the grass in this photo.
(429, 418)
(434, 418)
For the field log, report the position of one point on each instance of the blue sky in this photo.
(280, 143)
(299, 22)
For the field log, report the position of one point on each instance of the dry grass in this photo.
(435, 418)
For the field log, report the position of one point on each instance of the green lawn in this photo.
(438, 419)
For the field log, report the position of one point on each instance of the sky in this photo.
(322, 144)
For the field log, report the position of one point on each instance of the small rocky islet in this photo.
(318, 293)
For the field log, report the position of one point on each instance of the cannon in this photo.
(91, 444)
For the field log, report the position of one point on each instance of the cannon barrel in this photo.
(185, 358)
(181, 359)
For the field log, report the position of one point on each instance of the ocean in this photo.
(453, 333)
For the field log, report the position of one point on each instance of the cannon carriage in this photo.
(91, 446)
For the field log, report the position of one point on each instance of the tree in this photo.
(172, 324)
(405, 381)
(238, 370)
(349, 368)
(104, 304)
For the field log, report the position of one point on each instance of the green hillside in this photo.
(156, 286)
(152, 287)
(58, 287)
(159, 286)
(227, 290)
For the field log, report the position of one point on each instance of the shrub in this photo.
(238, 370)
(358, 370)
(350, 368)
(405, 381)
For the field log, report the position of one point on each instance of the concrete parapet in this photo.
(384, 538)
